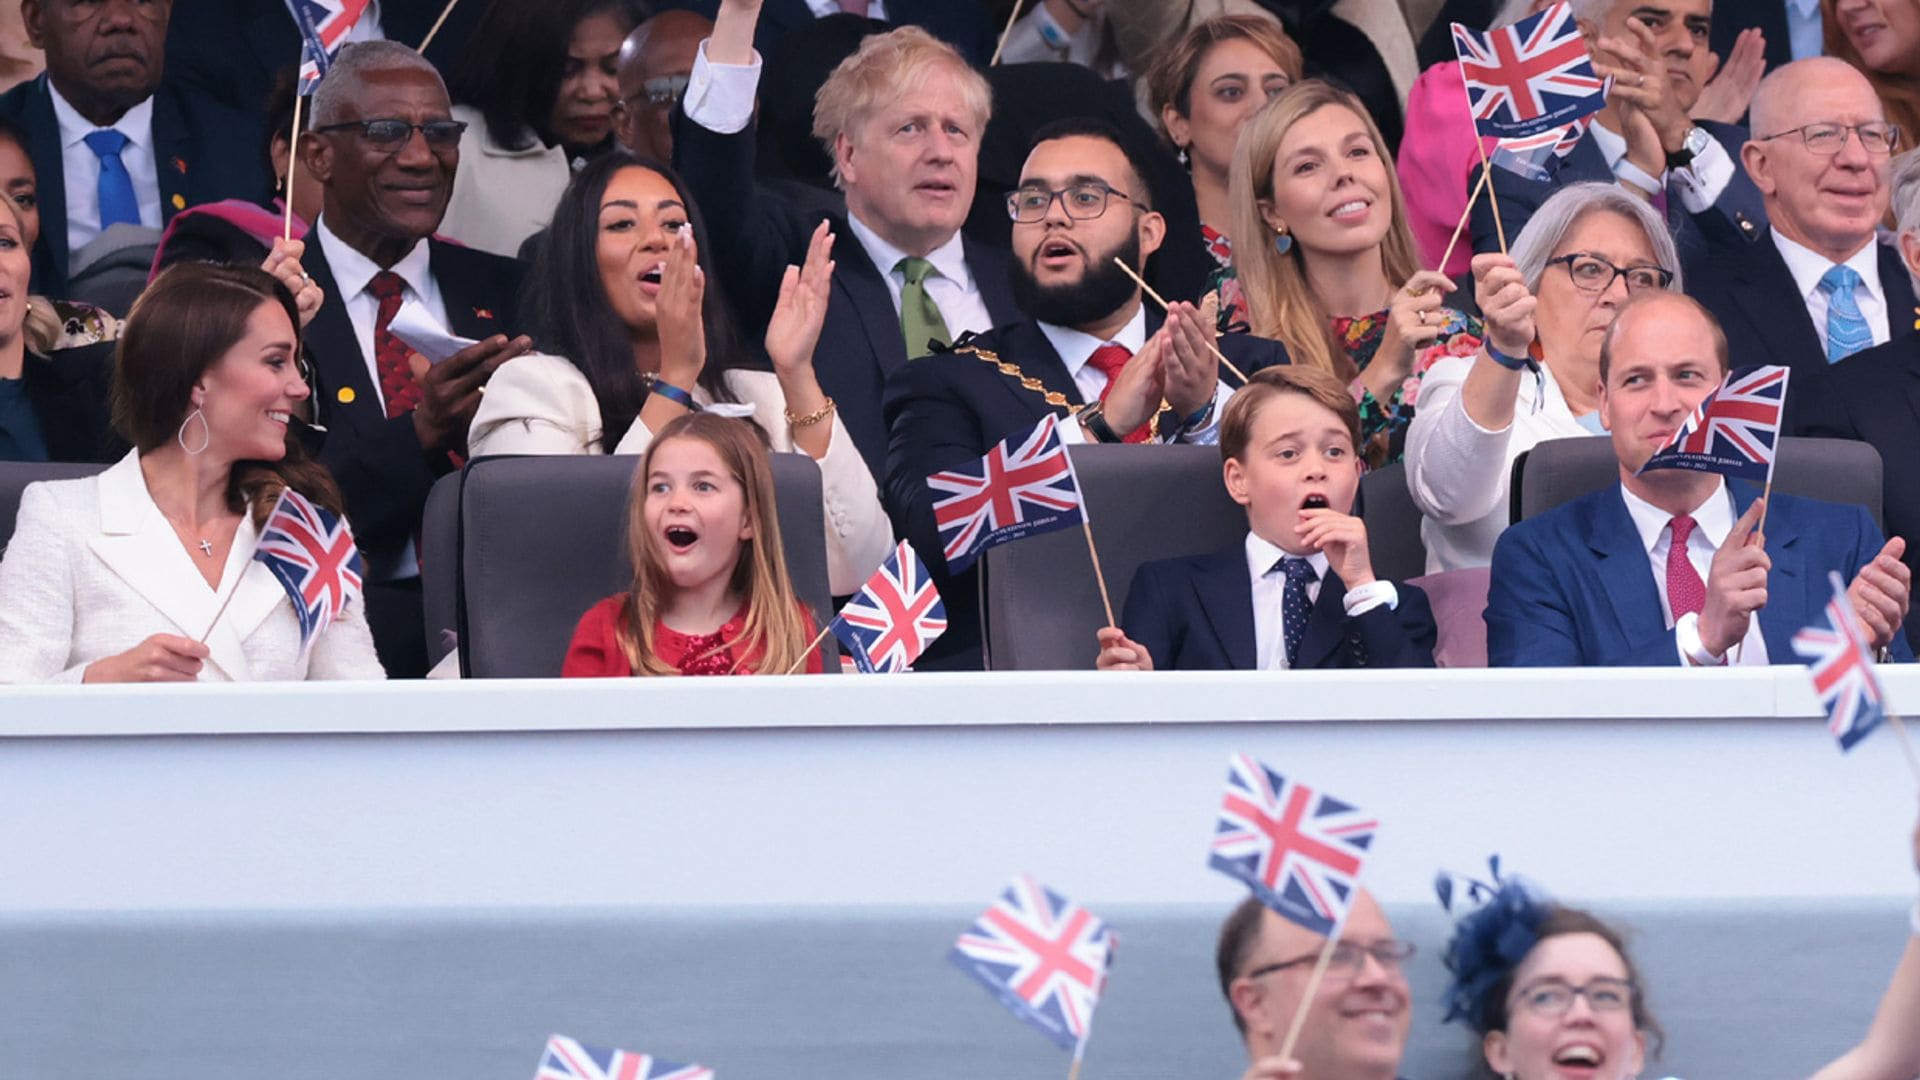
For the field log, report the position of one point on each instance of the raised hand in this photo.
(450, 389)
(283, 262)
(1728, 94)
(1736, 583)
(160, 658)
(1343, 538)
(676, 314)
(1137, 391)
(1880, 593)
(1506, 305)
(1192, 369)
(1640, 84)
(1413, 322)
(1118, 652)
(794, 329)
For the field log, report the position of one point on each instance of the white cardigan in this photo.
(1457, 471)
(94, 569)
(539, 404)
(500, 196)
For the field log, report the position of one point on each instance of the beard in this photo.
(1102, 290)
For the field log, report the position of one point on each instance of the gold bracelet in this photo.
(811, 418)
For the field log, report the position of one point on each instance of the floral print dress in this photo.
(1383, 425)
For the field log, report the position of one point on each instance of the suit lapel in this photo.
(1789, 585)
(989, 269)
(43, 129)
(1225, 592)
(864, 290)
(1625, 577)
(173, 153)
(1902, 312)
(1326, 624)
(1025, 347)
(1769, 290)
(468, 313)
(346, 386)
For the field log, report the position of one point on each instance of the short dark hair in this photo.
(1238, 936)
(1720, 351)
(1091, 127)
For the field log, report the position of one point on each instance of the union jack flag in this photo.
(894, 616)
(1840, 657)
(1529, 77)
(569, 1059)
(1527, 156)
(312, 553)
(324, 25)
(1298, 849)
(1023, 487)
(1044, 956)
(1734, 431)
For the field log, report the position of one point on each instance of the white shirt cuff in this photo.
(1371, 595)
(1693, 651)
(1703, 181)
(720, 97)
(1627, 172)
(1209, 435)
(1072, 433)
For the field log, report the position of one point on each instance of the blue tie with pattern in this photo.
(1294, 604)
(1847, 331)
(117, 200)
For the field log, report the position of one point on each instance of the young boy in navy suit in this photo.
(1299, 592)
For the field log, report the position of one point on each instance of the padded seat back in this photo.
(16, 475)
(440, 565)
(1393, 524)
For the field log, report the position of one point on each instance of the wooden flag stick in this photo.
(1074, 1073)
(437, 23)
(1486, 171)
(293, 165)
(1906, 745)
(1313, 987)
(1465, 213)
(202, 639)
(1158, 299)
(1099, 576)
(808, 651)
(1012, 17)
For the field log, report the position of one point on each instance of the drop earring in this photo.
(206, 433)
(1185, 161)
(1282, 242)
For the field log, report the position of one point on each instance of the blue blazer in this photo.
(1196, 614)
(1729, 223)
(1572, 587)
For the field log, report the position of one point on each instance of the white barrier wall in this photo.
(925, 789)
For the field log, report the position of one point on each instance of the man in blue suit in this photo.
(1656, 51)
(1670, 567)
(110, 140)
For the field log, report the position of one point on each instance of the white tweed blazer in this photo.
(93, 569)
(540, 404)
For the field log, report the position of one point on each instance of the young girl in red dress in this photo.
(710, 591)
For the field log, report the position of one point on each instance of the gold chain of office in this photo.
(1052, 397)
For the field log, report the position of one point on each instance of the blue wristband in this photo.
(672, 393)
(1511, 363)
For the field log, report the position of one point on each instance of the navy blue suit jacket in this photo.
(1572, 587)
(964, 24)
(948, 409)
(756, 234)
(1196, 614)
(203, 152)
(1728, 223)
(1752, 293)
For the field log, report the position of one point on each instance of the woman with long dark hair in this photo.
(634, 333)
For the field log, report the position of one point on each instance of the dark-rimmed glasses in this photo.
(1593, 274)
(392, 134)
(1555, 998)
(1826, 139)
(1347, 958)
(1082, 202)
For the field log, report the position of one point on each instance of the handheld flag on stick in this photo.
(312, 553)
(1734, 431)
(1298, 849)
(1023, 487)
(894, 616)
(1044, 956)
(324, 26)
(570, 1059)
(1527, 156)
(1528, 78)
(1840, 659)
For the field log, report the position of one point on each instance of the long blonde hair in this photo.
(775, 632)
(1280, 303)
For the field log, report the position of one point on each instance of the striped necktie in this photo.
(1847, 331)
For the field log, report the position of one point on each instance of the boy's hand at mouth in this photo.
(1342, 537)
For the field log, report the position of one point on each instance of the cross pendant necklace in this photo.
(206, 548)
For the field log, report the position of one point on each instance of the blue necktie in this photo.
(1847, 331)
(117, 201)
(1294, 604)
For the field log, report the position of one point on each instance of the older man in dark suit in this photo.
(111, 140)
(384, 147)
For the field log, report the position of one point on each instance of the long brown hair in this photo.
(1899, 94)
(1169, 81)
(1280, 303)
(775, 632)
(184, 322)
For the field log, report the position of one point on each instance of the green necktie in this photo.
(920, 320)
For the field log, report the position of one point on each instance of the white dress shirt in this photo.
(1076, 347)
(720, 97)
(1808, 267)
(1713, 520)
(80, 167)
(353, 271)
(1269, 595)
(1699, 184)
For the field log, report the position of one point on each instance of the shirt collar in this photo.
(136, 123)
(1613, 147)
(1713, 518)
(352, 270)
(949, 259)
(1262, 557)
(1808, 266)
(1804, 8)
(1075, 347)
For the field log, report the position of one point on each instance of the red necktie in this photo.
(1108, 359)
(390, 354)
(856, 7)
(1686, 594)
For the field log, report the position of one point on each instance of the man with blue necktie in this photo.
(111, 142)
(1816, 287)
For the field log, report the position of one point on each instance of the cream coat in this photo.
(94, 569)
(542, 404)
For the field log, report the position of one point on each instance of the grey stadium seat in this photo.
(440, 565)
(16, 475)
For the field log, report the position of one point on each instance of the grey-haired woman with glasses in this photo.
(1537, 375)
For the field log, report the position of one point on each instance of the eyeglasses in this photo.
(1593, 274)
(391, 134)
(1347, 958)
(1826, 139)
(1555, 998)
(1082, 202)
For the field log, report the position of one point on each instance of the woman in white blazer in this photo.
(1537, 375)
(145, 572)
(636, 334)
